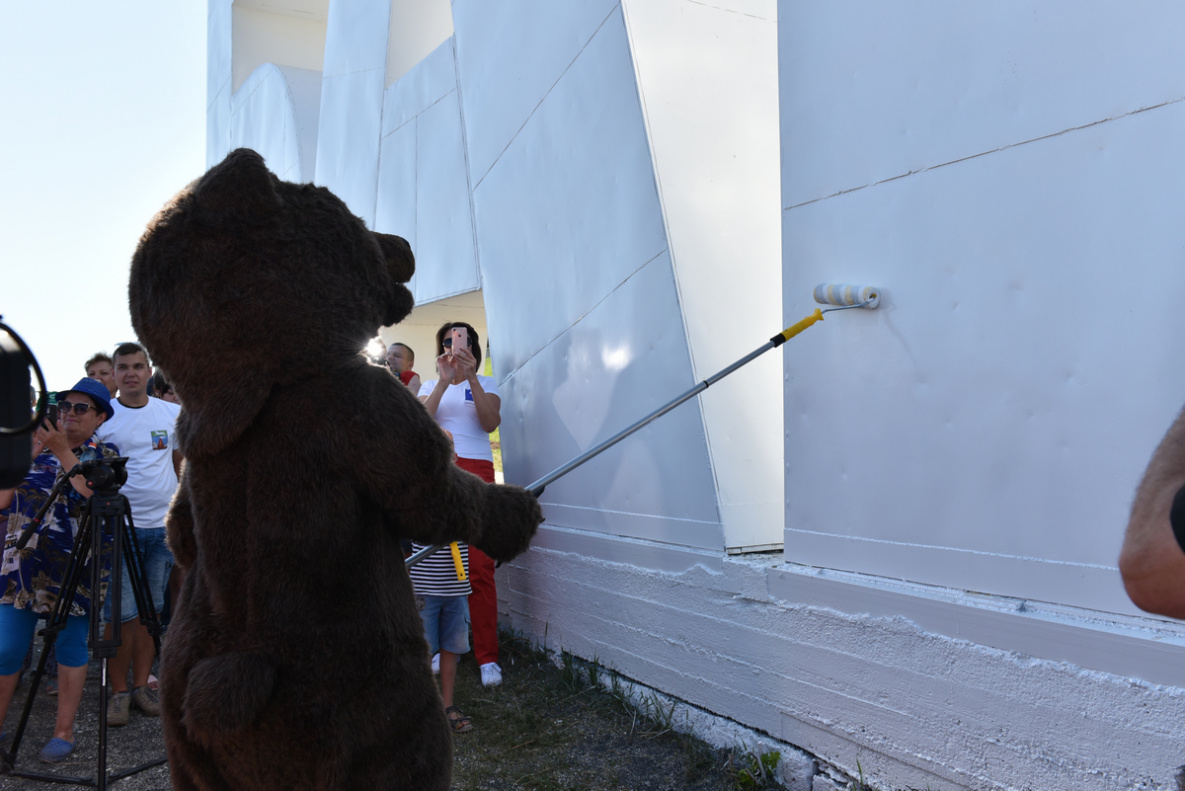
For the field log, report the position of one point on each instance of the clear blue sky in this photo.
(104, 108)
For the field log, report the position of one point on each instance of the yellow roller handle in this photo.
(457, 560)
(794, 329)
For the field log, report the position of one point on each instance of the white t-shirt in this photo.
(457, 413)
(146, 435)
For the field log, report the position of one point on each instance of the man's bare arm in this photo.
(1152, 562)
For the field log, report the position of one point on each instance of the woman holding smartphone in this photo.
(467, 404)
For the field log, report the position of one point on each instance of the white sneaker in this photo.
(436, 664)
(491, 674)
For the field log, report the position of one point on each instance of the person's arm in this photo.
(59, 446)
(1151, 562)
(178, 457)
(446, 367)
(489, 406)
(414, 384)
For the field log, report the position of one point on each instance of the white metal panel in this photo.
(420, 88)
(352, 102)
(395, 210)
(356, 36)
(571, 210)
(877, 90)
(218, 80)
(624, 359)
(446, 261)
(304, 89)
(708, 78)
(986, 427)
(348, 139)
(429, 184)
(275, 113)
(510, 54)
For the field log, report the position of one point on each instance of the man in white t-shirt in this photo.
(144, 430)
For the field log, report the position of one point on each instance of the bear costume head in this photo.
(295, 657)
(274, 275)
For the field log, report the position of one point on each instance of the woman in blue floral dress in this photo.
(31, 578)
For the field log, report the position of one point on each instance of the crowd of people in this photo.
(110, 413)
(122, 408)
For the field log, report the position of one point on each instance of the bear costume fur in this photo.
(296, 658)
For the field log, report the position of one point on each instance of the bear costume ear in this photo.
(402, 265)
(239, 185)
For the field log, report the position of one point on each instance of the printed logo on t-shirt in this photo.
(160, 440)
(469, 396)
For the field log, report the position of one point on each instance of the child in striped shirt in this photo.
(441, 582)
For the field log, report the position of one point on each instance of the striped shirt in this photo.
(436, 575)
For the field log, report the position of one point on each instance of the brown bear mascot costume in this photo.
(296, 658)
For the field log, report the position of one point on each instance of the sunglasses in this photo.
(64, 407)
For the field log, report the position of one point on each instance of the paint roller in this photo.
(841, 297)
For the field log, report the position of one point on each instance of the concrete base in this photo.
(913, 687)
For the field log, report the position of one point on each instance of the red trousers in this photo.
(483, 602)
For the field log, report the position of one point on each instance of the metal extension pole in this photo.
(537, 487)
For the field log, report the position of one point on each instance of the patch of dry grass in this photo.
(550, 727)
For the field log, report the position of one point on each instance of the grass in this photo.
(553, 724)
(751, 771)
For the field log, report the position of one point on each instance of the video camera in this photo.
(16, 426)
(104, 475)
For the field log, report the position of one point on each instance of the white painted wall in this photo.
(1000, 171)
(712, 69)
(923, 688)
(264, 84)
(578, 281)
(1006, 173)
(351, 116)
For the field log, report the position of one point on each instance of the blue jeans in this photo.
(446, 623)
(158, 561)
(16, 632)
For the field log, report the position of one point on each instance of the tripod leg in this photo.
(57, 622)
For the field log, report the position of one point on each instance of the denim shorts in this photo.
(158, 561)
(446, 623)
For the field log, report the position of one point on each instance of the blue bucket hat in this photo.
(96, 390)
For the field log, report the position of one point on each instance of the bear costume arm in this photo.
(439, 502)
(179, 527)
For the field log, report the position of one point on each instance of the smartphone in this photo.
(460, 338)
(51, 415)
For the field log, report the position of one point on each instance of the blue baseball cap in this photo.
(96, 390)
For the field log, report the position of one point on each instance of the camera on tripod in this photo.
(103, 476)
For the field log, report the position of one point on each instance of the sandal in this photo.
(457, 719)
